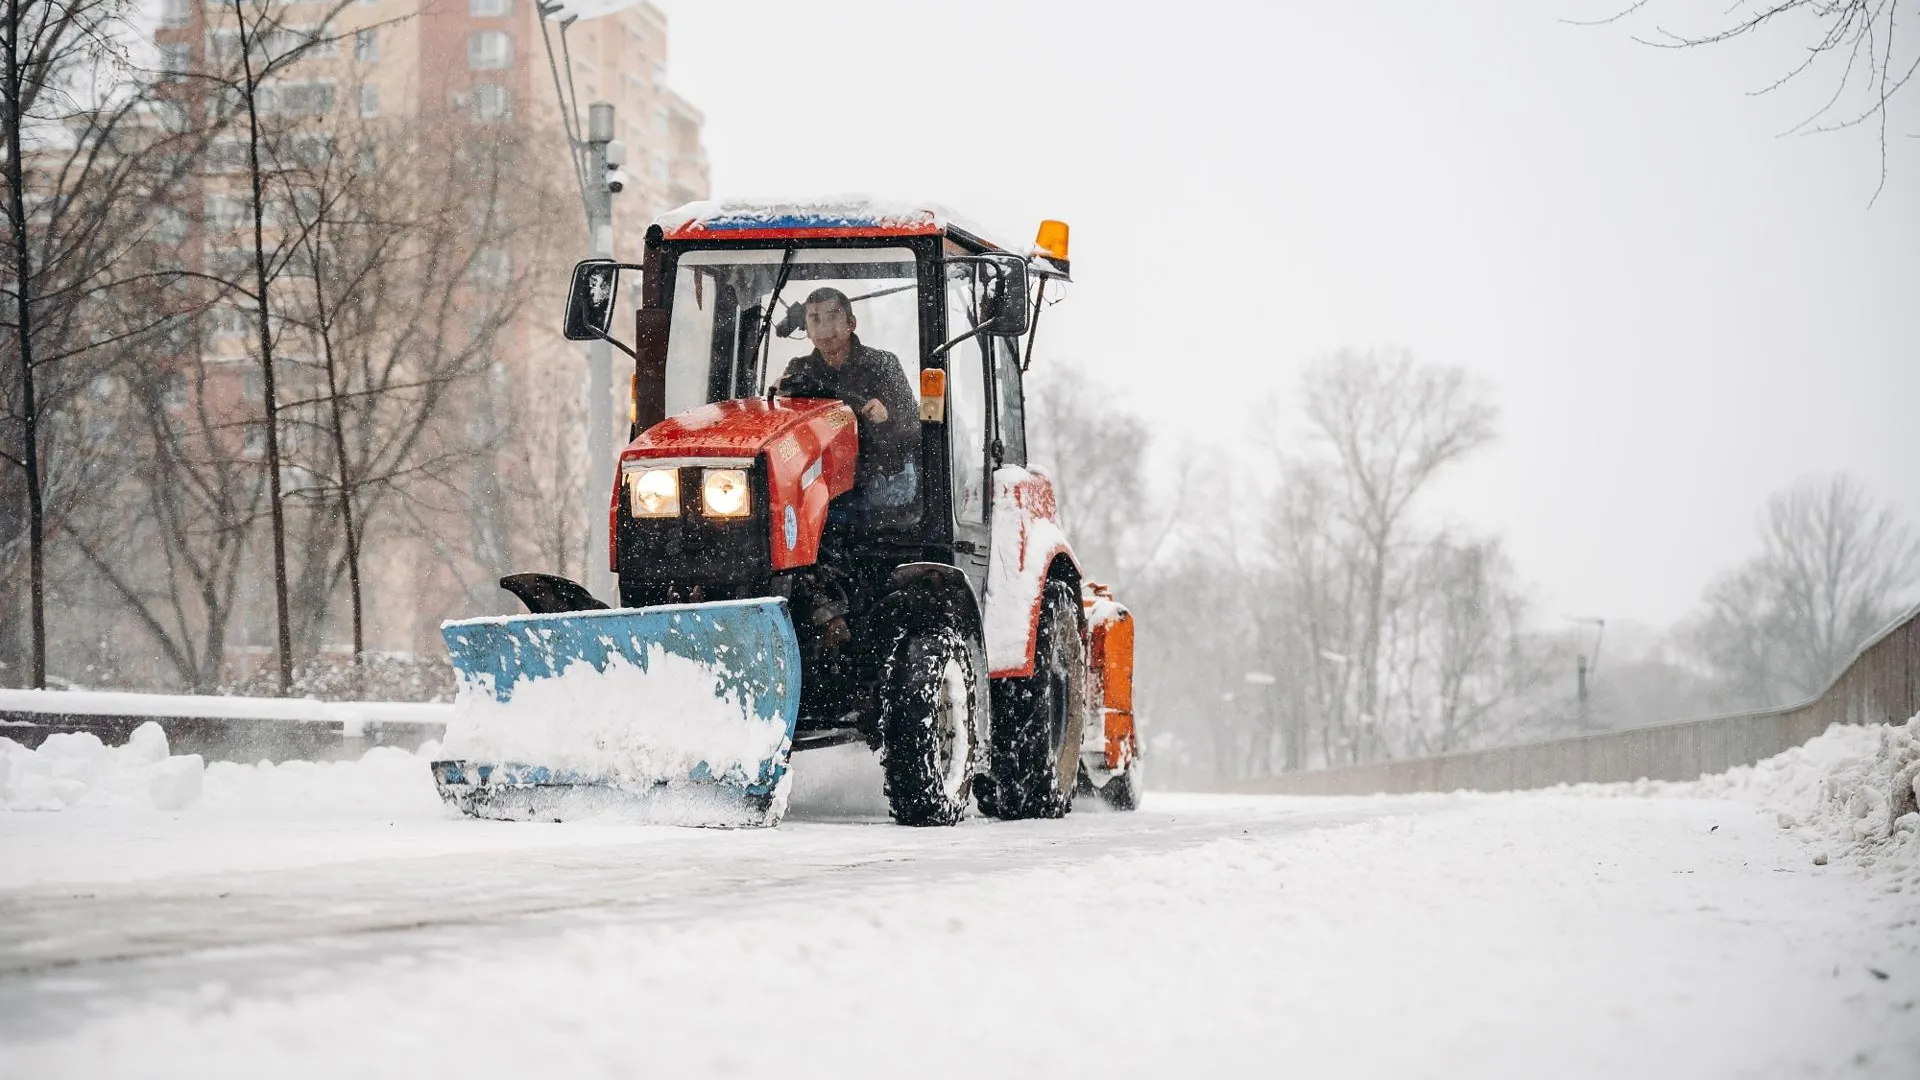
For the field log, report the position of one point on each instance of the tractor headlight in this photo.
(723, 493)
(653, 493)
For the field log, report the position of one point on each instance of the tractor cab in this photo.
(784, 339)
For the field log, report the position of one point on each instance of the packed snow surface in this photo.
(1678, 931)
(628, 724)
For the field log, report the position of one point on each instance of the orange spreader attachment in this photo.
(1110, 626)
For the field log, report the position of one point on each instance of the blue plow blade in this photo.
(748, 646)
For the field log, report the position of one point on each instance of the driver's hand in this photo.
(875, 411)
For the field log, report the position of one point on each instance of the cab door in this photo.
(969, 426)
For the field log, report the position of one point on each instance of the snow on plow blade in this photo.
(680, 714)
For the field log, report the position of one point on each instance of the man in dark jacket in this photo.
(873, 384)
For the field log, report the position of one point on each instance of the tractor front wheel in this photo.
(927, 725)
(1038, 721)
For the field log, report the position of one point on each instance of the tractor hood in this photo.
(742, 429)
(799, 452)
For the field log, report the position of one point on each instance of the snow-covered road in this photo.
(258, 932)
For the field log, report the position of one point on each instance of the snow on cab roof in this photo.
(850, 215)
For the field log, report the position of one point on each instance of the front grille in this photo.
(693, 549)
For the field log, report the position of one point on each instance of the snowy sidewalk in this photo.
(1659, 933)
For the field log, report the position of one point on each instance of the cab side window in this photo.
(967, 418)
(1010, 405)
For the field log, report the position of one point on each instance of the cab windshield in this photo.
(732, 338)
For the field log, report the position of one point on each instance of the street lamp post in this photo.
(599, 207)
(597, 158)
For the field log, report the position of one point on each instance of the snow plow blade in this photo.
(680, 714)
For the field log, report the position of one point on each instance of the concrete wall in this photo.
(1881, 686)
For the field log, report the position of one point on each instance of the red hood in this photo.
(811, 447)
(732, 429)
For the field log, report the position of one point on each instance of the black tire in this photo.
(929, 700)
(1038, 721)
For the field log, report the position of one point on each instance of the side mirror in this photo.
(1004, 310)
(590, 299)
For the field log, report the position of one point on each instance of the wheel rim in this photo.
(952, 739)
(1058, 701)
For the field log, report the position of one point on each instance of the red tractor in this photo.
(825, 530)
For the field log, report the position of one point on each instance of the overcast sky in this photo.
(1678, 310)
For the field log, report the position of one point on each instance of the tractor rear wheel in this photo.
(928, 701)
(1038, 721)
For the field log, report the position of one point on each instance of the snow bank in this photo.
(353, 714)
(77, 770)
(1852, 793)
(587, 721)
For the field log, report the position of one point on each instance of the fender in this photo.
(1028, 549)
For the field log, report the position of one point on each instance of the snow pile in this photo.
(385, 778)
(77, 769)
(628, 724)
(1851, 793)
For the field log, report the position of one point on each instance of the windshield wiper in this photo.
(766, 316)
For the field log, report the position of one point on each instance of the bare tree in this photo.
(416, 276)
(76, 125)
(1386, 425)
(1851, 43)
(1835, 566)
(171, 542)
(1096, 451)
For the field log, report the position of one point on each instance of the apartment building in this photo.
(459, 65)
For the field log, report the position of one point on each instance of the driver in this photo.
(871, 382)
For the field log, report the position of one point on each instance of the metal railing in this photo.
(1880, 686)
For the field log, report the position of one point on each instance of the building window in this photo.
(320, 41)
(297, 99)
(176, 59)
(227, 155)
(491, 102)
(369, 100)
(223, 46)
(493, 267)
(227, 321)
(173, 116)
(173, 390)
(366, 46)
(170, 226)
(175, 13)
(308, 150)
(225, 213)
(487, 9)
(489, 49)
